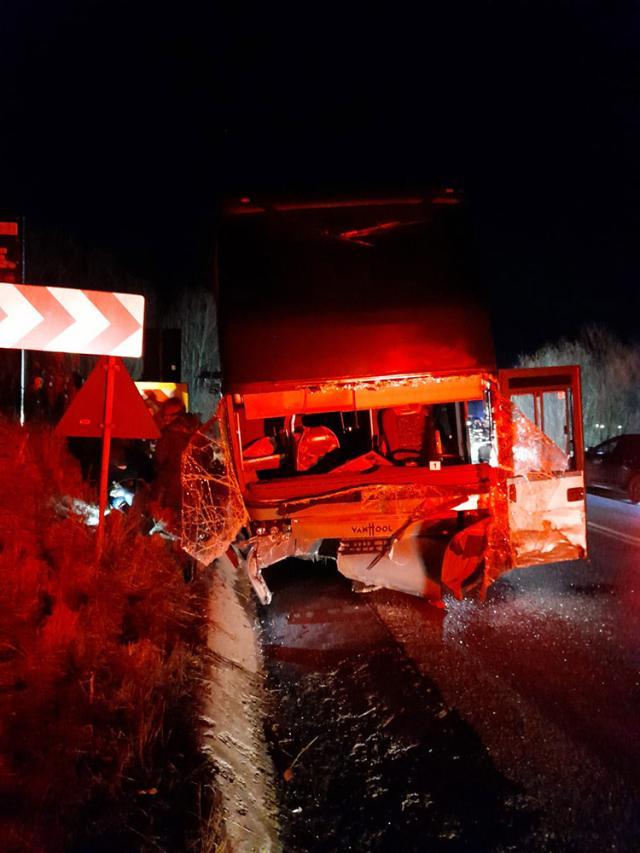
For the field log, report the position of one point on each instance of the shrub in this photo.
(610, 374)
(100, 662)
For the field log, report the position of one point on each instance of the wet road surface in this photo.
(508, 725)
(615, 518)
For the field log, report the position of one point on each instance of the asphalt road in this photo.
(508, 725)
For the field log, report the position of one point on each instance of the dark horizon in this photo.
(127, 127)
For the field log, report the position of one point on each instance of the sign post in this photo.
(110, 367)
(107, 406)
(64, 319)
(13, 269)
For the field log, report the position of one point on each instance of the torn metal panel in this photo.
(546, 524)
(421, 558)
(384, 539)
(404, 568)
(538, 510)
(274, 547)
(411, 559)
(270, 548)
(464, 556)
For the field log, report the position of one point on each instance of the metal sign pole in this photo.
(23, 354)
(107, 426)
(23, 382)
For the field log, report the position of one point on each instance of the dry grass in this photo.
(99, 672)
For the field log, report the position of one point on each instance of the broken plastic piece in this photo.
(464, 556)
(257, 581)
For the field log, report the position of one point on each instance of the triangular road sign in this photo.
(85, 416)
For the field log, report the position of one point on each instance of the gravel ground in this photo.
(369, 754)
(505, 725)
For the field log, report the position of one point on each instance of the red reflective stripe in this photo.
(122, 323)
(9, 229)
(59, 319)
(55, 317)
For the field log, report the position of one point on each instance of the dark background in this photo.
(126, 123)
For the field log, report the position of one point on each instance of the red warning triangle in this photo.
(131, 417)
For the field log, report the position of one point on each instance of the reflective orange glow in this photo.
(319, 205)
(372, 393)
(358, 235)
(155, 393)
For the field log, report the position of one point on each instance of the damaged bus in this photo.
(363, 418)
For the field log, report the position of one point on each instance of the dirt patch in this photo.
(235, 708)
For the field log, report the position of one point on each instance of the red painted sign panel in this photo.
(64, 319)
(131, 417)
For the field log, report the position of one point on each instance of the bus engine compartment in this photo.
(418, 484)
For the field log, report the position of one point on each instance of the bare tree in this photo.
(610, 372)
(195, 314)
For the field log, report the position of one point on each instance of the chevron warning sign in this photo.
(64, 319)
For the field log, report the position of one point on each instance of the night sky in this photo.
(126, 123)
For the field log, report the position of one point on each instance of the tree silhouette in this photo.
(610, 374)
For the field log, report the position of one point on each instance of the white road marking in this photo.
(613, 534)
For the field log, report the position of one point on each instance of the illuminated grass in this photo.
(100, 671)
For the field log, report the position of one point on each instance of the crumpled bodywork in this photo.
(396, 518)
(544, 527)
(464, 557)
(542, 515)
(456, 527)
(409, 557)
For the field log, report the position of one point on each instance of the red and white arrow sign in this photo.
(62, 319)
